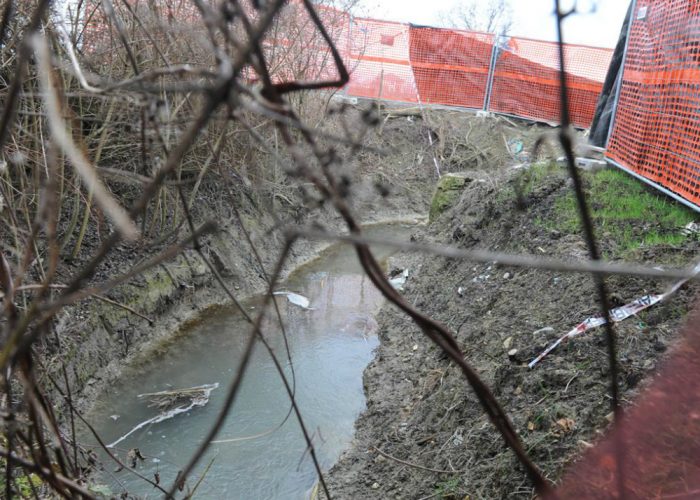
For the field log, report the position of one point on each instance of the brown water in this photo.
(330, 347)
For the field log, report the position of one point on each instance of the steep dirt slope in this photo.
(420, 409)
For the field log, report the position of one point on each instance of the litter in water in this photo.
(170, 404)
(296, 299)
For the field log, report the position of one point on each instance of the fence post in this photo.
(492, 69)
(348, 53)
(618, 83)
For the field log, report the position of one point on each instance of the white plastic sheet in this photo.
(200, 400)
(296, 299)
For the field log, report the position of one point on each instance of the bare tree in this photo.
(492, 16)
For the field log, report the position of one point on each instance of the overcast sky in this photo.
(532, 18)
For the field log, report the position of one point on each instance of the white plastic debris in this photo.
(399, 281)
(691, 229)
(520, 166)
(196, 396)
(481, 278)
(546, 329)
(296, 299)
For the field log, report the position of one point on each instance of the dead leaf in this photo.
(133, 456)
(564, 426)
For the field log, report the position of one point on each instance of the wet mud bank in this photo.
(424, 434)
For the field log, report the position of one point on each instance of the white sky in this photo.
(531, 18)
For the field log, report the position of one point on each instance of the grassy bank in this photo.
(627, 214)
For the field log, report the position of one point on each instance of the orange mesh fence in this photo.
(657, 125)
(398, 62)
(295, 48)
(379, 62)
(160, 20)
(526, 80)
(450, 66)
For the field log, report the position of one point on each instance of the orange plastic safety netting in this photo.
(379, 62)
(399, 62)
(295, 49)
(450, 66)
(657, 125)
(155, 22)
(526, 80)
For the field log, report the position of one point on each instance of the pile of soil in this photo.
(424, 434)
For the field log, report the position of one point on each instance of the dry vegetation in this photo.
(117, 146)
(124, 127)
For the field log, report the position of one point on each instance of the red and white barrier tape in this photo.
(618, 314)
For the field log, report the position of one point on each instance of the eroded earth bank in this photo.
(424, 434)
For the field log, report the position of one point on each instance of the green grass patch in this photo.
(627, 214)
(536, 175)
(527, 182)
(448, 489)
(447, 192)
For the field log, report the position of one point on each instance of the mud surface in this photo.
(421, 411)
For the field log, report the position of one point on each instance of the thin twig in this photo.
(416, 466)
(505, 259)
(589, 234)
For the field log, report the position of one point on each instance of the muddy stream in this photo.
(330, 345)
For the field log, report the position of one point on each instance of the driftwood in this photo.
(168, 400)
